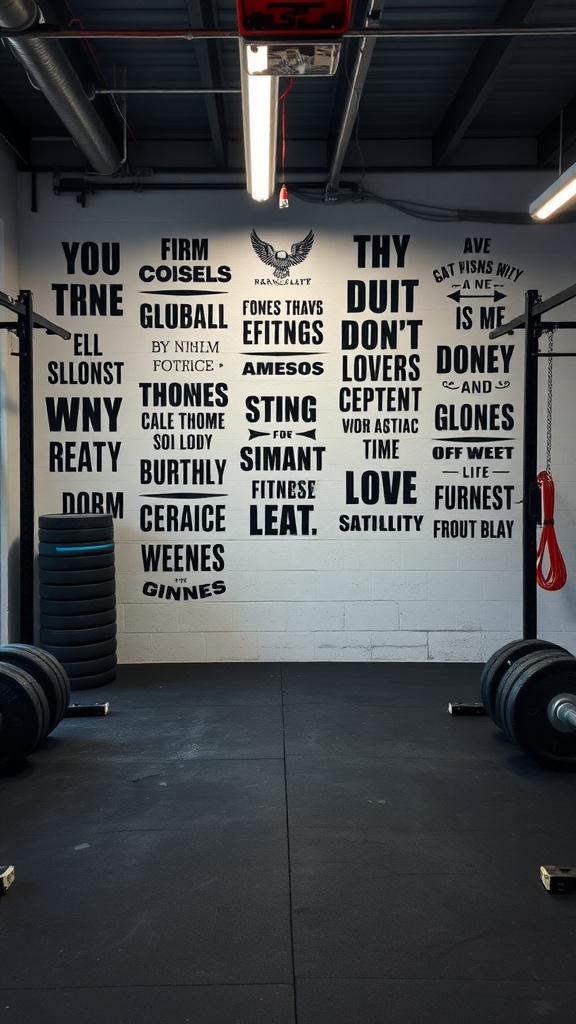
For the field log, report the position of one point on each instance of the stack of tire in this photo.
(78, 595)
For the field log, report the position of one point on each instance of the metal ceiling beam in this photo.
(558, 137)
(49, 69)
(84, 62)
(202, 11)
(164, 35)
(491, 60)
(346, 107)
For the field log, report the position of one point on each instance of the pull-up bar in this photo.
(537, 309)
(24, 326)
(530, 320)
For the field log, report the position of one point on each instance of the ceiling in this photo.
(440, 85)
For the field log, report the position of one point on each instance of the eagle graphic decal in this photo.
(279, 258)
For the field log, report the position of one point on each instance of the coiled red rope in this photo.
(548, 548)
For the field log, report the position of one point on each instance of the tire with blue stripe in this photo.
(90, 549)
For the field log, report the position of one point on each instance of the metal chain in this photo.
(549, 403)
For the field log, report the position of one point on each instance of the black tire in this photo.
(21, 715)
(524, 711)
(89, 682)
(65, 637)
(86, 606)
(65, 537)
(57, 668)
(497, 666)
(71, 592)
(77, 669)
(82, 652)
(75, 561)
(43, 706)
(76, 576)
(38, 665)
(62, 677)
(75, 521)
(513, 672)
(78, 621)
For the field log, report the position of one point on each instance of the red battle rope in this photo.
(557, 575)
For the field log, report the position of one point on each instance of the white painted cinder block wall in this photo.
(328, 594)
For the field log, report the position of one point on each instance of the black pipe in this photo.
(27, 526)
(531, 491)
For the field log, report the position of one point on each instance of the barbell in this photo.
(529, 690)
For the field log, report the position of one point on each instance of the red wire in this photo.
(75, 20)
(282, 99)
(557, 574)
(286, 90)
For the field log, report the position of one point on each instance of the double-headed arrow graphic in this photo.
(297, 433)
(456, 296)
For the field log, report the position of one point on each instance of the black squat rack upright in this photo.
(23, 327)
(531, 320)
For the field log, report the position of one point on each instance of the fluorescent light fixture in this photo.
(256, 59)
(260, 117)
(562, 191)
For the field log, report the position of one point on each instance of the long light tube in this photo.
(260, 118)
(561, 192)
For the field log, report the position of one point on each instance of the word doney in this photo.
(474, 358)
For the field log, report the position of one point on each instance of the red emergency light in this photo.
(293, 19)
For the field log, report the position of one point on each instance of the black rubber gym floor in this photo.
(285, 844)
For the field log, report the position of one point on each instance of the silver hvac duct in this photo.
(49, 69)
